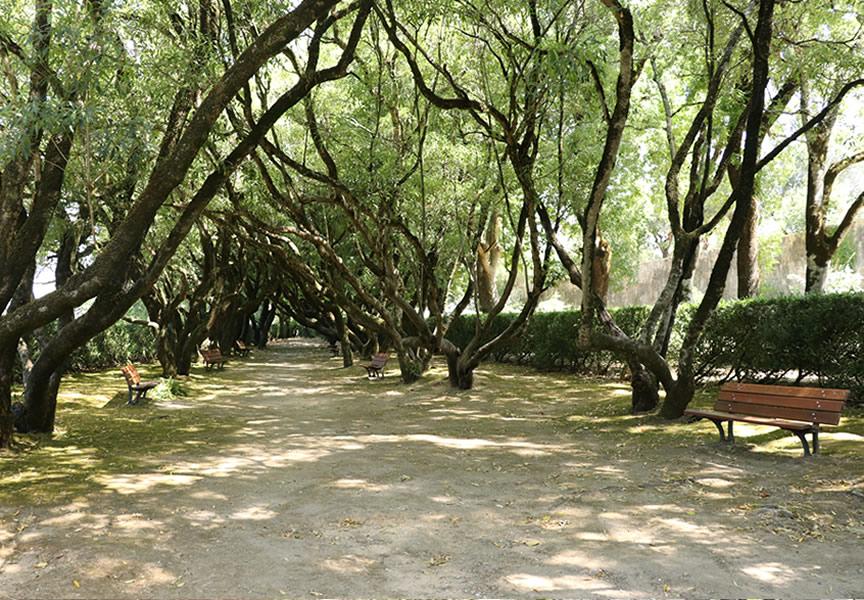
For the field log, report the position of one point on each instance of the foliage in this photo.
(169, 389)
(549, 340)
(798, 337)
(122, 342)
(765, 340)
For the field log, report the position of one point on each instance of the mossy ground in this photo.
(93, 441)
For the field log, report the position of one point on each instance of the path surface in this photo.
(338, 487)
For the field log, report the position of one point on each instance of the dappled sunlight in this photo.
(537, 583)
(359, 484)
(534, 484)
(349, 564)
(771, 572)
(132, 484)
(253, 513)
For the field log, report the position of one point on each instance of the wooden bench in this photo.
(241, 348)
(213, 358)
(800, 410)
(134, 383)
(375, 369)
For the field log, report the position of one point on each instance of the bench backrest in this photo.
(131, 375)
(212, 354)
(379, 360)
(814, 405)
(241, 344)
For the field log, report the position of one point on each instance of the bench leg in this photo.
(802, 435)
(731, 436)
(816, 441)
(129, 398)
(719, 426)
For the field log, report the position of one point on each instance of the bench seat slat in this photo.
(781, 423)
(793, 414)
(787, 391)
(784, 401)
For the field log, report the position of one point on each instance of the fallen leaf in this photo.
(438, 560)
(76, 583)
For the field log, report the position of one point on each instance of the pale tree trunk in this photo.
(488, 264)
(817, 273)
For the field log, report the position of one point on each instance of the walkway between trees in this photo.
(328, 485)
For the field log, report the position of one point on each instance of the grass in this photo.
(92, 440)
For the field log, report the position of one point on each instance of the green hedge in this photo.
(819, 338)
(814, 338)
(548, 340)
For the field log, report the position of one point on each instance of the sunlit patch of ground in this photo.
(285, 474)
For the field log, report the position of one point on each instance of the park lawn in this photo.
(94, 442)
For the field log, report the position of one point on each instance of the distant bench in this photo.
(375, 369)
(242, 348)
(213, 358)
(800, 410)
(134, 383)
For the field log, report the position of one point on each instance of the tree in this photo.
(105, 277)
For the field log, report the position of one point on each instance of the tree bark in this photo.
(644, 388)
(748, 253)
(682, 391)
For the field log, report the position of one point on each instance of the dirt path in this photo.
(338, 487)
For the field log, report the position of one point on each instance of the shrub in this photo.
(120, 343)
(763, 340)
(767, 340)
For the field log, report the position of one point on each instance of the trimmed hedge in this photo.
(818, 338)
(767, 340)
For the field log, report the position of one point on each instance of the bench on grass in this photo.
(213, 358)
(333, 347)
(800, 410)
(241, 348)
(134, 383)
(375, 369)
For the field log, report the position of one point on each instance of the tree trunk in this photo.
(460, 375)
(488, 264)
(602, 266)
(817, 273)
(409, 367)
(678, 398)
(184, 358)
(682, 392)
(748, 254)
(7, 363)
(268, 313)
(645, 389)
(344, 341)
